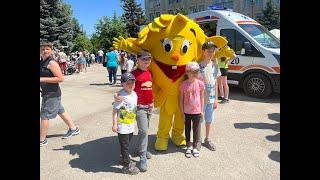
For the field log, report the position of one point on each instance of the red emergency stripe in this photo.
(234, 67)
(277, 69)
(214, 17)
(257, 66)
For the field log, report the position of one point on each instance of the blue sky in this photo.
(88, 12)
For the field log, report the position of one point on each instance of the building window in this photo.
(171, 1)
(259, 3)
(178, 1)
(157, 14)
(192, 9)
(201, 7)
(247, 3)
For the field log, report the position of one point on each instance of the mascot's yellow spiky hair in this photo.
(173, 41)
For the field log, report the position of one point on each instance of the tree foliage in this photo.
(271, 17)
(133, 17)
(106, 29)
(56, 23)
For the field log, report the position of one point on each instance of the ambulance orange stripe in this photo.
(234, 67)
(246, 21)
(257, 66)
(277, 69)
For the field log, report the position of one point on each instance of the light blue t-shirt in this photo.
(112, 59)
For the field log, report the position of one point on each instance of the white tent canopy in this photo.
(276, 32)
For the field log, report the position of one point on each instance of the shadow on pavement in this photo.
(274, 116)
(54, 135)
(236, 93)
(274, 138)
(274, 155)
(275, 127)
(100, 155)
(103, 155)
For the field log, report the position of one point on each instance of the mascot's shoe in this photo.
(161, 144)
(179, 140)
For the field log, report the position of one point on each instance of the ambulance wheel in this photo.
(257, 85)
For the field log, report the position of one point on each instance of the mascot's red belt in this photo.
(171, 71)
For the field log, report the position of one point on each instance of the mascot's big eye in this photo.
(167, 44)
(185, 46)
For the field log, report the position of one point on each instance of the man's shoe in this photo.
(44, 142)
(71, 133)
(220, 98)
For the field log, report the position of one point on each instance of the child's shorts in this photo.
(208, 113)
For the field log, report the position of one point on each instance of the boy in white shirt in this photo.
(124, 119)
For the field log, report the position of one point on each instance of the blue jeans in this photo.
(112, 73)
(143, 118)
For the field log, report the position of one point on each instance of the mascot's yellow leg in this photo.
(178, 129)
(165, 123)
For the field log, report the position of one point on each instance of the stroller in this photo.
(71, 67)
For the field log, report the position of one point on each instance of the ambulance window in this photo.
(230, 34)
(236, 40)
(209, 28)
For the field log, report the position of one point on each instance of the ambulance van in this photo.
(256, 68)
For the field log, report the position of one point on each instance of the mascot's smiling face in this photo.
(173, 41)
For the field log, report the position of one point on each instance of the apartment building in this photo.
(153, 8)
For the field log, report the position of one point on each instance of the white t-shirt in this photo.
(93, 57)
(130, 65)
(62, 57)
(127, 112)
(209, 74)
(100, 53)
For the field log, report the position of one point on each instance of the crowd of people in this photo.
(204, 84)
(79, 61)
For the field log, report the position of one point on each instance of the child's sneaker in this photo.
(143, 165)
(209, 145)
(130, 169)
(44, 142)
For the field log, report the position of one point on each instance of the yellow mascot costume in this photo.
(173, 41)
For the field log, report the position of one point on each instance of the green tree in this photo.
(106, 29)
(55, 22)
(82, 42)
(132, 16)
(76, 28)
(271, 17)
